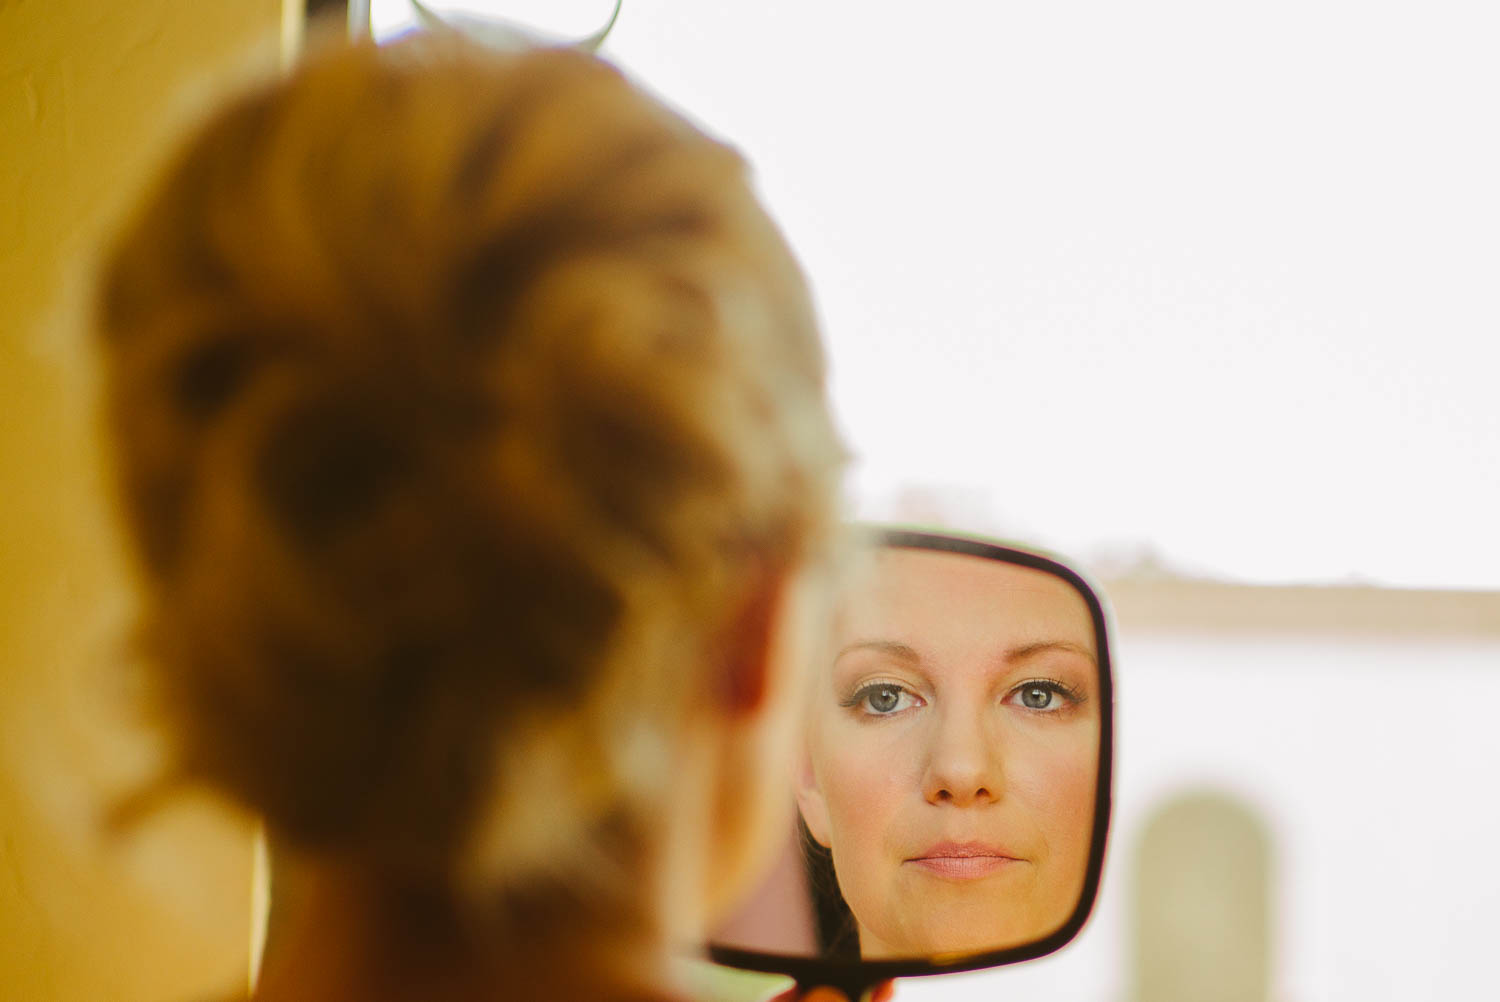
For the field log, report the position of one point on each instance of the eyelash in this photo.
(862, 693)
(1056, 686)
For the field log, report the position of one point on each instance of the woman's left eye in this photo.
(1042, 696)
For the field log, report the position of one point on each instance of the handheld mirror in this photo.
(953, 791)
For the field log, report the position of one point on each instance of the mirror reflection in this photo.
(946, 791)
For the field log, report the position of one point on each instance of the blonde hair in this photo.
(456, 398)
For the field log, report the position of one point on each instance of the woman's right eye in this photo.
(881, 699)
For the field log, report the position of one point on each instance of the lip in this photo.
(964, 860)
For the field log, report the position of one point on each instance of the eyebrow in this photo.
(907, 653)
(894, 648)
(1043, 646)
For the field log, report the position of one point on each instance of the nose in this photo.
(964, 765)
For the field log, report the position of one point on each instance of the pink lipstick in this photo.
(963, 860)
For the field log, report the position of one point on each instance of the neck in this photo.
(358, 938)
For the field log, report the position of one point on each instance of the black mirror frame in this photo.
(855, 977)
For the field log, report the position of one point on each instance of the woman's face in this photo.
(953, 753)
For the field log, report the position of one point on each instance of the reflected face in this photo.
(953, 749)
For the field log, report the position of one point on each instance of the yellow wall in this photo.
(85, 87)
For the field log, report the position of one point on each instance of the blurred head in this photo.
(953, 752)
(470, 423)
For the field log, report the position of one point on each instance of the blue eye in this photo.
(1043, 696)
(882, 699)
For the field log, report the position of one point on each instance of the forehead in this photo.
(915, 595)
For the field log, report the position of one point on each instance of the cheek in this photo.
(864, 774)
(1055, 775)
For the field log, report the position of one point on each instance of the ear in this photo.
(811, 803)
(748, 646)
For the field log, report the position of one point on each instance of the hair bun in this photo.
(329, 463)
(210, 375)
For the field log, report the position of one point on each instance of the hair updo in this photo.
(456, 397)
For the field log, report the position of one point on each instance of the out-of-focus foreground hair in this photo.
(458, 399)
